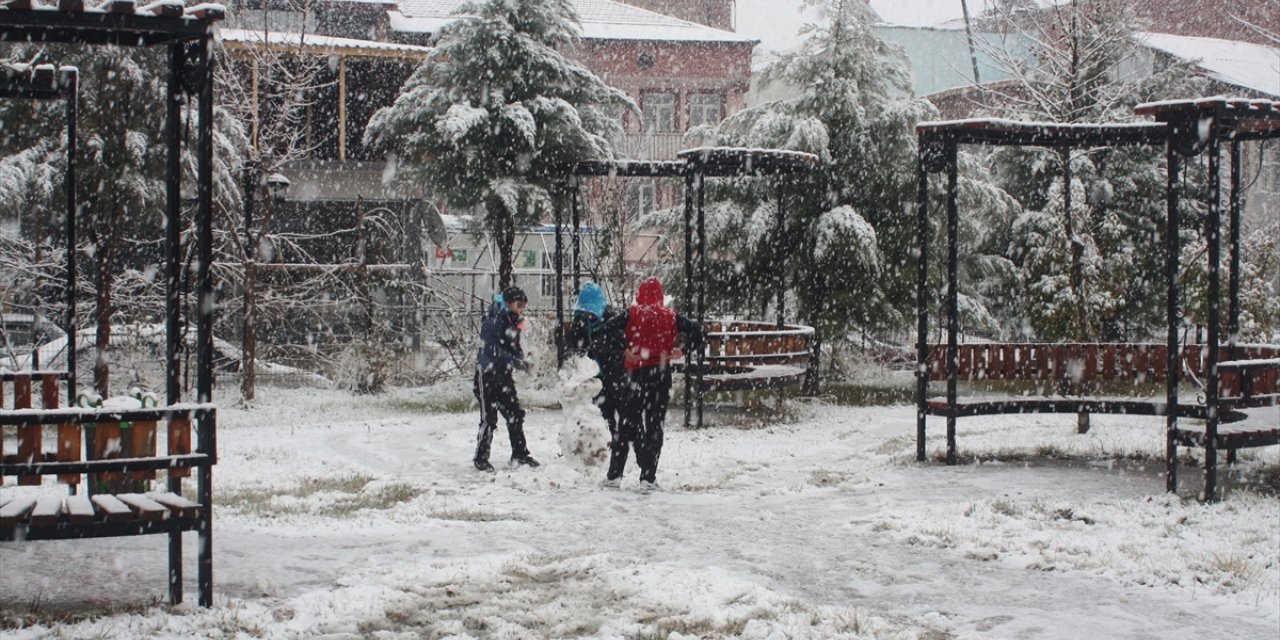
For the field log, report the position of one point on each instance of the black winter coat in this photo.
(604, 346)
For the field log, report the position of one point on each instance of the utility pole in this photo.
(973, 54)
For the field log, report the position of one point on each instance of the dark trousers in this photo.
(496, 392)
(610, 400)
(640, 421)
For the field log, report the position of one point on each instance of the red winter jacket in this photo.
(651, 328)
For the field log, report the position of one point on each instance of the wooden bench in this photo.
(121, 444)
(745, 355)
(1249, 381)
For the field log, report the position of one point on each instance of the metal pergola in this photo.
(1185, 129)
(187, 34)
(694, 165)
(1195, 127)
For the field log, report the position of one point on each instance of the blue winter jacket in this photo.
(500, 349)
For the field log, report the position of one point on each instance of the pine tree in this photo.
(493, 119)
(1083, 251)
(850, 222)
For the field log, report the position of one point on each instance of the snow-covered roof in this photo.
(600, 20)
(1240, 64)
(322, 44)
(923, 13)
(999, 131)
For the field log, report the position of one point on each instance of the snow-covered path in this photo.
(824, 528)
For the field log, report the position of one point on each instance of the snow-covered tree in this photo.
(1082, 250)
(850, 221)
(490, 121)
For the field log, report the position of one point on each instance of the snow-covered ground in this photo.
(361, 517)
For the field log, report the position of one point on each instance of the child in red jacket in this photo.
(651, 330)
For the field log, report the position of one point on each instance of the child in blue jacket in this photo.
(500, 354)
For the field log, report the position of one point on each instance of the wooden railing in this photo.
(753, 343)
(1081, 363)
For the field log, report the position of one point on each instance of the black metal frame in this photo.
(44, 82)
(1179, 129)
(1201, 126)
(188, 35)
(694, 165)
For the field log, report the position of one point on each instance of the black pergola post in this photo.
(574, 212)
(569, 191)
(205, 303)
(780, 251)
(1233, 273)
(71, 89)
(702, 281)
(1233, 277)
(953, 321)
(173, 275)
(1213, 237)
(922, 300)
(688, 292)
(1171, 248)
(173, 226)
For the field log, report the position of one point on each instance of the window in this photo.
(659, 112)
(641, 198)
(705, 108)
(548, 281)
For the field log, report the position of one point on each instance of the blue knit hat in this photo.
(591, 299)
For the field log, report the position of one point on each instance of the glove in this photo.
(522, 365)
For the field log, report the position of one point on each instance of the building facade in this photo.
(681, 73)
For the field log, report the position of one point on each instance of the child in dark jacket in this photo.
(587, 337)
(501, 353)
(650, 331)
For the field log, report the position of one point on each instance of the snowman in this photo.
(584, 436)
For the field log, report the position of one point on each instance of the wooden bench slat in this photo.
(16, 511)
(111, 507)
(178, 505)
(46, 511)
(79, 509)
(144, 507)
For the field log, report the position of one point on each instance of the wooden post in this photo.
(68, 434)
(29, 435)
(179, 444)
(108, 443)
(143, 445)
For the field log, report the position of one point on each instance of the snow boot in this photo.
(483, 465)
(526, 460)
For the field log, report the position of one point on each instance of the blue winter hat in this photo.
(591, 299)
